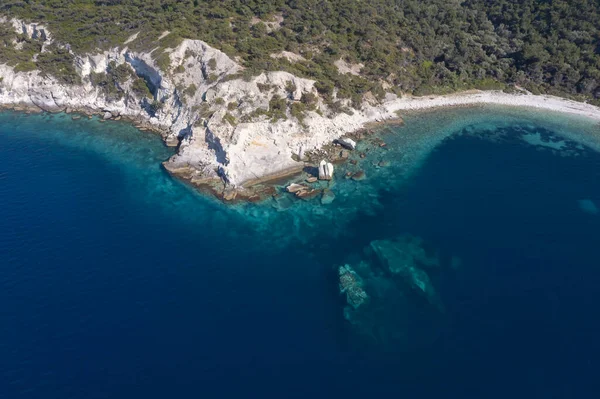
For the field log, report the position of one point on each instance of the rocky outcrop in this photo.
(200, 103)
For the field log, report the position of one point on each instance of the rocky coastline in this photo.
(229, 141)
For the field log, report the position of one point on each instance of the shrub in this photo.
(229, 118)
(190, 90)
(140, 88)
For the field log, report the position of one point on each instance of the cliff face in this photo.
(224, 124)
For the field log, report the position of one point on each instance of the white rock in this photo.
(325, 170)
(295, 187)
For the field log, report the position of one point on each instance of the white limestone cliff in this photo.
(205, 107)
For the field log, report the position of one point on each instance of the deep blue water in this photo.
(117, 281)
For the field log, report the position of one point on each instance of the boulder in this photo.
(107, 115)
(295, 188)
(308, 194)
(311, 179)
(229, 194)
(347, 143)
(325, 170)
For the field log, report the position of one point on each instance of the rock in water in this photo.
(294, 188)
(351, 285)
(325, 170)
(307, 194)
(347, 143)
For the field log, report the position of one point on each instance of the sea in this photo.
(473, 243)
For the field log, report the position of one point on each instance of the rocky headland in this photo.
(235, 132)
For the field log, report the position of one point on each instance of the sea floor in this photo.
(466, 256)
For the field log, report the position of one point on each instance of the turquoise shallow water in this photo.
(117, 280)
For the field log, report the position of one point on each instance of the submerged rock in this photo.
(283, 202)
(358, 176)
(308, 194)
(351, 285)
(327, 197)
(403, 247)
(404, 258)
(312, 179)
(588, 206)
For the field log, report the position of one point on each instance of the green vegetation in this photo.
(415, 46)
(212, 63)
(229, 119)
(277, 108)
(190, 90)
(58, 62)
(141, 89)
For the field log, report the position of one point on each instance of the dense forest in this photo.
(408, 46)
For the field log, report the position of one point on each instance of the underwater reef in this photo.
(390, 294)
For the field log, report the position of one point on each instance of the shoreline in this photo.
(263, 186)
(478, 97)
(465, 99)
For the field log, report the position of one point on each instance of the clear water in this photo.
(118, 281)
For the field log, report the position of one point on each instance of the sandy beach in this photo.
(476, 97)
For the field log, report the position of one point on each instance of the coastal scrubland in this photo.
(408, 46)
